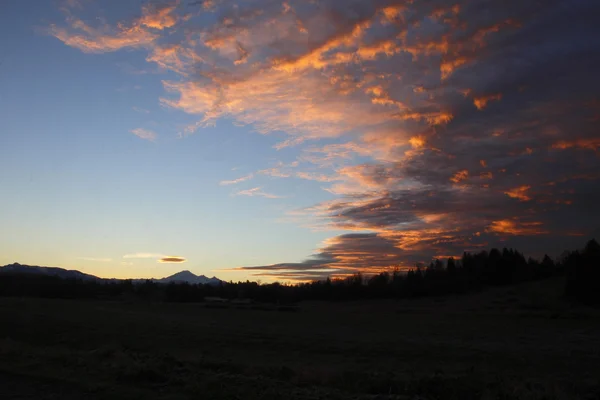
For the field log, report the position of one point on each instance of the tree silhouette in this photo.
(583, 274)
(473, 272)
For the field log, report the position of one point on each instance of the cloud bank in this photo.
(440, 126)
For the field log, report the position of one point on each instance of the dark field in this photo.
(518, 342)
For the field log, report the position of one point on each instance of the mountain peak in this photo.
(188, 277)
(185, 272)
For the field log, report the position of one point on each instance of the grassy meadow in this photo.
(519, 342)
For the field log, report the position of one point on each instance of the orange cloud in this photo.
(174, 57)
(316, 177)
(373, 92)
(284, 95)
(433, 118)
(392, 13)
(317, 58)
(481, 102)
(158, 17)
(370, 52)
(417, 142)
(334, 154)
(519, 193)
(460, 176)
(486, 175)
(299, 104)
(447, 67)
(102, 40)
(514, 227)
(591, 144)
(364, 177)
(106, 39)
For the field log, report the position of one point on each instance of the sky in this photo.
(293, 140)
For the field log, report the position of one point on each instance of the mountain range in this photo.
(179, 277)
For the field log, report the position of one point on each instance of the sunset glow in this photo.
(295, 139)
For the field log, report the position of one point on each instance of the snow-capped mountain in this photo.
(189, 277)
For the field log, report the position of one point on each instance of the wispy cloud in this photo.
(141, 110)
(73, 3)
(236, 181)
(144, 134)
(160, 258)
(519, 193)
(482, 102)
(103, 39)
(257, 191)
(515, 227)
(315, 176)
(142, 32)
(144, 255)
(280, 170)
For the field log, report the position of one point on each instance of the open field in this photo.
(517, 342)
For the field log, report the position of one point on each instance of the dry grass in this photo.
(519, 342)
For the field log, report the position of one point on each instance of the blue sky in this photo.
(293, 140)
(79, 185)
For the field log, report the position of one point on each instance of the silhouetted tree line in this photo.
(583, 274)
(472, 272)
